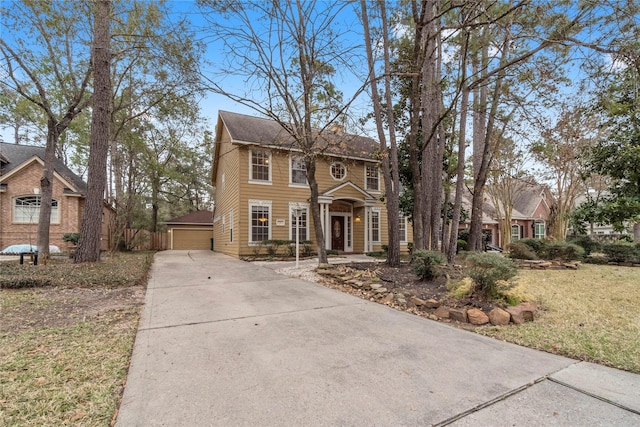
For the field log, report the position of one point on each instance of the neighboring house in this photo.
(260, 182)
(529, 216)
(191, 231)
(21, 168)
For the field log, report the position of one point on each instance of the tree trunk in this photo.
(315, 211)
(90, 230)
(46, 191)
(389, 152)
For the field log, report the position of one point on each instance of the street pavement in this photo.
(223, 342)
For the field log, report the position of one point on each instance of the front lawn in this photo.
(65, 347)
(592, 314)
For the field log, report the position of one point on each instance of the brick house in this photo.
(21, 168)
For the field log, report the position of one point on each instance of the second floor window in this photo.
(372, 178)
(260, 164)
(338, 171)
(298, 171)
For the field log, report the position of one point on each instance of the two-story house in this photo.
(260, 182)
(21, 167)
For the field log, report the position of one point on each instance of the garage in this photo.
(193, 231)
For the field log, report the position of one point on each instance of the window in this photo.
(231, 226)
(403, 229)
(375, 226)
(26, 210)
(538, 230)
(260, 170)
(302, 222)
(515, 233)
(260, 224)
(298, 171)
(338, 171)
(372, 178)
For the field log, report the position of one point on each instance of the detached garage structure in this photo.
(192, 231)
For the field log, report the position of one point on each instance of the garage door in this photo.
(192, 239)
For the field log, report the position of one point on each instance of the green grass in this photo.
(62, 362)
(589, 314)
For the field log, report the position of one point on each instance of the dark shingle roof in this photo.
(260, 131)
(197, 217)
(14, 155)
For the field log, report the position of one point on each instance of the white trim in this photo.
(377, 211)
(298, 205)
(337, 162)
(296, 184)
(404, 219)
(377, 190)
(262, 203)
(269, 166)
(298, 150)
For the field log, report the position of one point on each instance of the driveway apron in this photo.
(223, 342)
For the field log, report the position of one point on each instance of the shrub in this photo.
(564, 251)
(333, 252)
(461, 289)
(519, 250)
(426, 264)
(487, 269)
(622, 252)
(306, 247)
(587, 243)
(512, 295)
(71, 238)
(461, 245)
(537, 245)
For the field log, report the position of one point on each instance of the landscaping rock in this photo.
(459, 314)
(432, 303)
(521, 313)
(380, 290)
(499, 317)
(442, 312)
(388, 298)
(376, 286)
(417, 301)
(477, 317)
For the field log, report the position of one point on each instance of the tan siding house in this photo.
(261, 183)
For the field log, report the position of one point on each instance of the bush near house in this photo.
(622, 252)
(538, 246)
(426, 264)
(487, 270)
(564, 252)
(587, 243)
(519, 250)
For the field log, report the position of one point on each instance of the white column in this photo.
(327, 234)
(366, 229)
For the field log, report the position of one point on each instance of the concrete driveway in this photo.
(224, 342)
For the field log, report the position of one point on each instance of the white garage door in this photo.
(191, 239)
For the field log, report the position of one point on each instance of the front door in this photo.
(337, 233)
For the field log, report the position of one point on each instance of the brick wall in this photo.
(22, 183)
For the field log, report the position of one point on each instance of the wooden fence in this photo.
(143, 240)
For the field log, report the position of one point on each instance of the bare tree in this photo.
(390, 151)
(46, 63)
(288, 54)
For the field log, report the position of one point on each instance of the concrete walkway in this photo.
(223, 342)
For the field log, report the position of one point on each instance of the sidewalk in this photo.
(223, 342)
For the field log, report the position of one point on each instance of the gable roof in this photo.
(14, 156)
(197, 217)
(245, 129)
